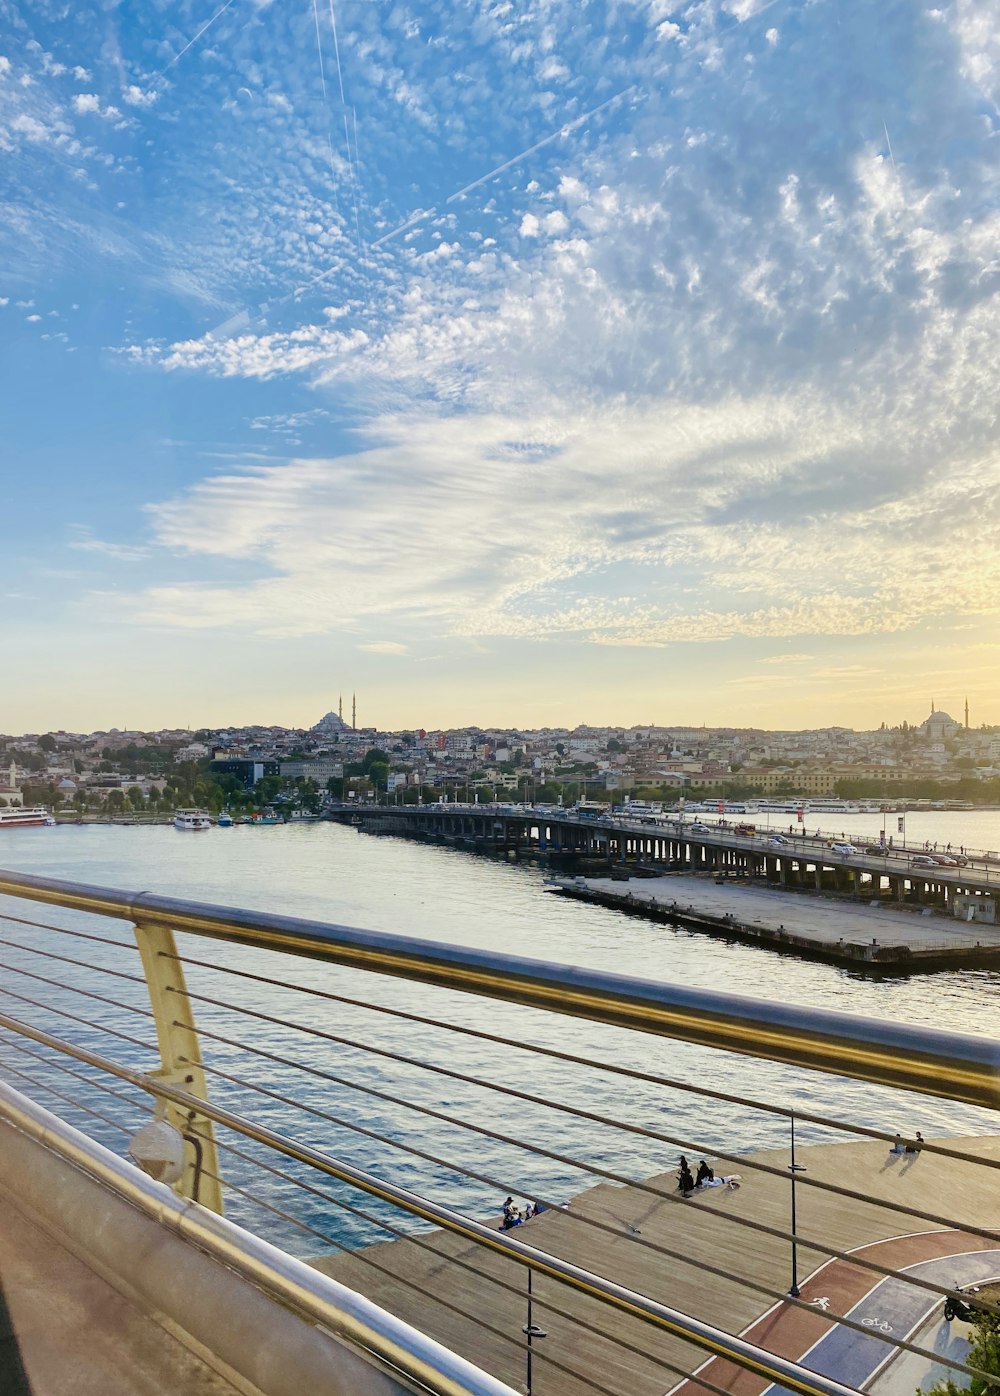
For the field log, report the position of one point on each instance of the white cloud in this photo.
(384, 647)
(630, 529)
(529, 226)
(135, 96)
(85, 103)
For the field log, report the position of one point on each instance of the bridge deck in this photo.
(79, 1337)
(697, 1229)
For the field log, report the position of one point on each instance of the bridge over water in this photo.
(794, 860)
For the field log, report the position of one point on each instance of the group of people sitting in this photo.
(512, 1216)
(907, 1146)
(705, 1178)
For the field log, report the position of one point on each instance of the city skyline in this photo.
(644, 353)
(965, 720)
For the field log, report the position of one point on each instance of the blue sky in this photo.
(524, 363)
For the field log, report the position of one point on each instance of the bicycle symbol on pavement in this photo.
(878, 1323)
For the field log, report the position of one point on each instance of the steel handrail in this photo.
(778, 1370)
(349, 1316)
(958, 1066)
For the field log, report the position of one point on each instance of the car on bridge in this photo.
(844, 849)
(923, 861)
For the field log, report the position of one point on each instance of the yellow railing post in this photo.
(180, 1058)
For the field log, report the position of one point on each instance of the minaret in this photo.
(932, 707)
(354, 711)
(340, 707)
(966, 714)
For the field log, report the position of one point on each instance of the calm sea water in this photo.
(331, 873)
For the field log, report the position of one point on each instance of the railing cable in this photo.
(414, 1239)
(593, 1117)
(632, 1073)
(820, 1248)
(607, 1291)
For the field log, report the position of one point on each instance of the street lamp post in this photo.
(530, 1330)
(794, 1168)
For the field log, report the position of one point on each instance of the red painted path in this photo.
(789, 1331)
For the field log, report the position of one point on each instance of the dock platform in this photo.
(835, 928)
(420, 1283)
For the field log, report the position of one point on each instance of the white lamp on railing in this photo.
(158, 1149)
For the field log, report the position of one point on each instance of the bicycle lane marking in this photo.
(834, 1288)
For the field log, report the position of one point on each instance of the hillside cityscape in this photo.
(940, 760)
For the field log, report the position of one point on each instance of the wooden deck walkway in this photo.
(422, 1285)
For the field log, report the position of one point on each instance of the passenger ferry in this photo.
(194, 819)
(17, 817)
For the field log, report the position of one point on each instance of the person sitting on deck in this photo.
(685, 1178)
(705, 1174)
(511, 1216)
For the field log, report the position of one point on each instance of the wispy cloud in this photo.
(83, 540)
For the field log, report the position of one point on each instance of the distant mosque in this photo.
(940, 725)
(333, 724)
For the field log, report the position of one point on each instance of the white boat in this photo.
(18, 817)
(193, 819)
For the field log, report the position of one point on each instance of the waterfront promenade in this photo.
(419, 1281)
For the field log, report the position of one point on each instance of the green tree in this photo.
(984, 1353)
(266, 789)
(378, 773)
(48, 742)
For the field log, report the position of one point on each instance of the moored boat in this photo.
(19, 817)
(192, 819)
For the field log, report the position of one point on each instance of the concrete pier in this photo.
(846, 932)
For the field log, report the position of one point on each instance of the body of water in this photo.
(331, 873)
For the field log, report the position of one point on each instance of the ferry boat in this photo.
(193, 819)
(17, 817)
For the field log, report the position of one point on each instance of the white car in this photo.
(845, 849)
(778, 840)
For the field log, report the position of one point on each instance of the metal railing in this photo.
(293, 1028)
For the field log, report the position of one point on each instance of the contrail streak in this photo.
(336, 49)
(546, 140)
(411, 222)
(889, 144)
(319, 50)
(347, 138)
(195, 39)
